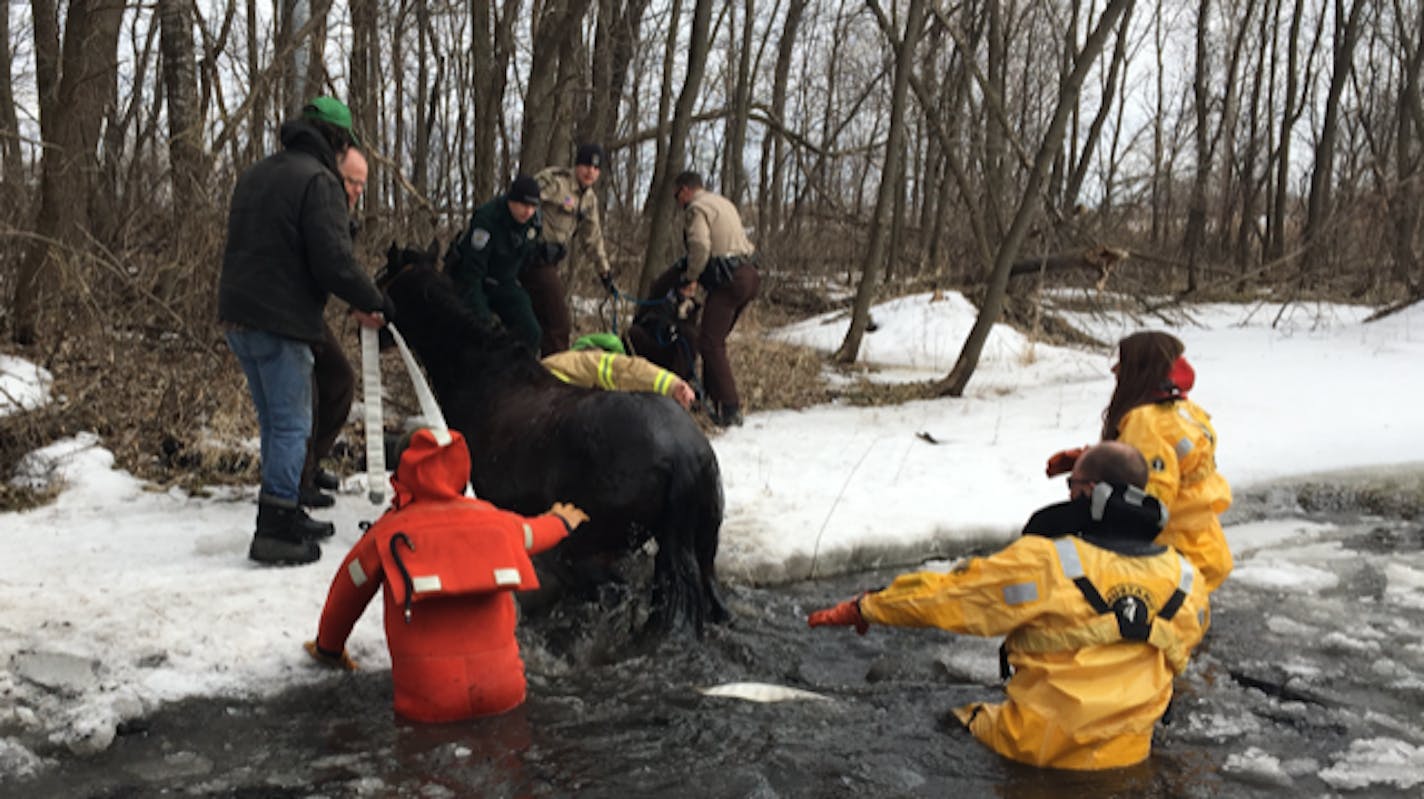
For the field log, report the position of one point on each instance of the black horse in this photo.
(636, 463)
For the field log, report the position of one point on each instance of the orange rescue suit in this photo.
(1081, 696)
(1178, 442)
(448, 564)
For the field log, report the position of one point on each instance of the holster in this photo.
(720, 270)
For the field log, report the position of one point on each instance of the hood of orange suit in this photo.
(429, 471)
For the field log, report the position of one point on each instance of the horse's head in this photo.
(399, 260)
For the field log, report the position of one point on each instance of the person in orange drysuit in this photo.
(1097, 621)
(448, 564)
(1149, 410)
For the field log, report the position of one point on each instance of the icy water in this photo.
(1291, 680)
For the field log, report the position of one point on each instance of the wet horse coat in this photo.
(636, 463)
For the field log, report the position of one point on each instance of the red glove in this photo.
(1062, 462)
(846, 614)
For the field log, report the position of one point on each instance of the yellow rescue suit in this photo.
(1081, 696)
(1178, 442)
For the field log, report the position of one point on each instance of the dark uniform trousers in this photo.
(551, 308)
(724, 306)
(333, 389)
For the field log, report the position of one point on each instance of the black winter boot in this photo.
(284, 534)
(325, 480)
(313, 497)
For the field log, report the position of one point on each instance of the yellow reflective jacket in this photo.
(1179, 443)
(1081, 697)
(610, 371)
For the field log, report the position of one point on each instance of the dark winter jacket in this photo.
(493, 248)
(289, 242)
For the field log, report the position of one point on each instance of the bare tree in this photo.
(953, 384)
(903, 44)
(1346, 34)
(661, 229)
(556, 33)
(493, 32)
(187, 156)
(71, 133)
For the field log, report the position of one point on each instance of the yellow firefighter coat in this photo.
(1081, 697)
(1179, 443)
(610, 371)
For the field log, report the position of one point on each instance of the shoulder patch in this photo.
(479, 237)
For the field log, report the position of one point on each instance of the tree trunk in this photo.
(954, 383)
(424, 101)
(1277, 245)
(12, 164)
(1318, 205)
(1196, 206)
(186, 153)
(493, 31)
(661, 227)
(875, 257)
(363, 89)
(86, 66)
(1095, 128)
(786, 48)
(734, 175)
(556, 31)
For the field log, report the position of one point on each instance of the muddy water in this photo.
(1286, 681)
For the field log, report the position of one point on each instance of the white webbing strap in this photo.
(434, 419)
(371, 387)
(375, 427)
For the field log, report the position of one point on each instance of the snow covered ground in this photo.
(117, 598)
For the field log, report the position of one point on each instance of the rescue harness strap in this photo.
(1133, 622)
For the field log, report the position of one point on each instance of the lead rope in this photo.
(375, 422)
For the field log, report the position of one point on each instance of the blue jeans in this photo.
(279, 377)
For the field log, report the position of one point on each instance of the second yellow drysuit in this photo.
(1082, 695)
(1177, 440)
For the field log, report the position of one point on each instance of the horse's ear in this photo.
(393, 251)
(434, 246)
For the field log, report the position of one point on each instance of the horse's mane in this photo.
(445, 323)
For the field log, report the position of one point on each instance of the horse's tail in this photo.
(686, 593)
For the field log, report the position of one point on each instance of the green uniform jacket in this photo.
(493, 250)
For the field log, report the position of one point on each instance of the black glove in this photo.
(606, 278)
(553, 253)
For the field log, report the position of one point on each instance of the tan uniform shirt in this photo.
(571, 215)
(610, 371)
(712, 229)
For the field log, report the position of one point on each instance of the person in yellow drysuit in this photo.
(1149, 409)
(597, 360)
(1098, 620)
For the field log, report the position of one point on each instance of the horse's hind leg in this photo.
(705, 543)
(676, 603)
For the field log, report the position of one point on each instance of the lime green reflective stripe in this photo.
(663, 383)
(560, 375)
(605, 372)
